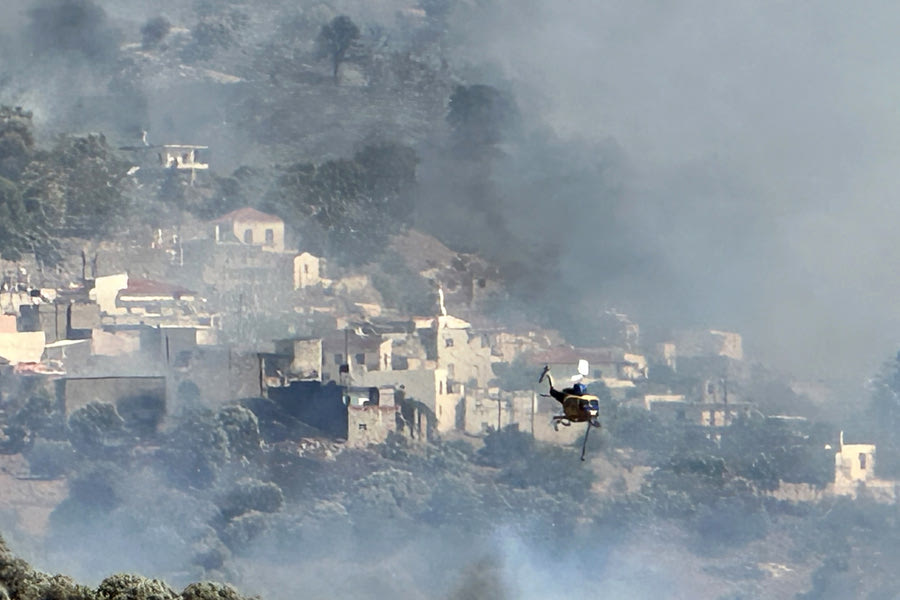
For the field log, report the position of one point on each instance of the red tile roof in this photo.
(248, 214)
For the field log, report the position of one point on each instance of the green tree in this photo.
(251, 495)
(96, 430)
(16, 141)
(195, 451)
(134, 587)
(335, 40)
(242, 429)
(76, 189)
(481, 117)
(50, 458)
(15, 222)
(358, 202)
(41, 415)
(882, 419)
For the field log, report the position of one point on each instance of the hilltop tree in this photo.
(335, 40)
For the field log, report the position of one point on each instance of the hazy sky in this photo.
(761, 140)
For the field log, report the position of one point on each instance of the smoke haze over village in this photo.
(230, 220)
(741, 155)
(759, 143)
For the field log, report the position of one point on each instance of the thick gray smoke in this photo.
(759, 141)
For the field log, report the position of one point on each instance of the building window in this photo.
(362, 427)
(441, 388)
(862, 461)
(248, 236)
(306, 269)
(270, 236)
(451, 370)
(360, 358)
(448, 342)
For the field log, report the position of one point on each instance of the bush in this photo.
(134, 587)
(251, 495)
(50, 459)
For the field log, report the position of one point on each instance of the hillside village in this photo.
(301, 351)
(165, 325)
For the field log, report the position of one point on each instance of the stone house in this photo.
(359, 414)
(493, 409)
(348, 355)
(464, 354)
(210, 376)
(250, 227)
(370, 424)
(507, 346)
(428, 386)
(293, 360)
